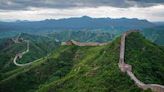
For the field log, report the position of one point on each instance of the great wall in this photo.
(20, 55)
(128, 68)
(125, 68)
(72, 42)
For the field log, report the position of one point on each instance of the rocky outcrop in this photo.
(128, 68)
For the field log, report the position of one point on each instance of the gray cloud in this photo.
(147, 3)
(59, 4)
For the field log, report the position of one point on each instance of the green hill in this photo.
(39, 47)
(86, 69)
(146, 58)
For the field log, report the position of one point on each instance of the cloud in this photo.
(146, 3)
(153, 13)
(63, 4)
(43, 9)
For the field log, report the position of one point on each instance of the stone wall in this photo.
(128, 68)
(72, 42)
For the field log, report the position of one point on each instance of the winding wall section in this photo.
(128, 68)
(20, 55)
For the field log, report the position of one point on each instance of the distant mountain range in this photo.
(83, 22)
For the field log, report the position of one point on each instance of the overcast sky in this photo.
(152, 10)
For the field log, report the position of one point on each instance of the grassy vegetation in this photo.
(146, 59)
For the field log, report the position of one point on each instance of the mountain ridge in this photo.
(83, 22)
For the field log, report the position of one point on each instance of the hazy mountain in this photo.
(84, 22)
(155, 34)
(159, 23)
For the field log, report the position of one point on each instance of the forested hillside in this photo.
(84, 36)
(39, 47)
(146, 59)
(93, 69)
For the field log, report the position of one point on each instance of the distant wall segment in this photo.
(72, 42)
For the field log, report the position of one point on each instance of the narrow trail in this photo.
(128, 68)
(20, 55)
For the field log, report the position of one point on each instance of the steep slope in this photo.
(146, 59)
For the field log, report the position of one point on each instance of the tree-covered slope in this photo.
(146, 58)
(28, 78)
(84, 36)
(7, 52)
(39, 47)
